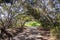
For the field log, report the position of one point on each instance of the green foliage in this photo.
(55, 32)
(37, 12)
(23, 18)
(32, 24)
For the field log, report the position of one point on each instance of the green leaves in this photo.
(32, 23)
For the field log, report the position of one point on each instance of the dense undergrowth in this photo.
(32, 13)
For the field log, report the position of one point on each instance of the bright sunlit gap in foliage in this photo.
(32, 24)
(2, 15)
